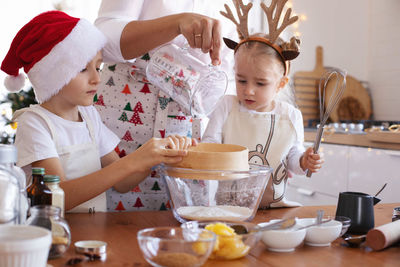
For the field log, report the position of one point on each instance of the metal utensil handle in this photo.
(314, 224)
(316, 145)
(278, 223)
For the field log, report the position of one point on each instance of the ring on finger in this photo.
(197, 35)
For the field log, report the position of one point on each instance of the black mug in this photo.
(359, 207)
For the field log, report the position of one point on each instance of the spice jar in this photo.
(48, 217)
(38, 192)
(57, 199)
(396, 214)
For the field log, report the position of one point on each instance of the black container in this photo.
(359, 207)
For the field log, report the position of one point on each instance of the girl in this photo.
(64, 134)
(272, 130)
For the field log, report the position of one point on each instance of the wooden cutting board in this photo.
(306, 88)
(355, 104)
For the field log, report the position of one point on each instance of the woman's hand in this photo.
(202, 32)
(311, 161)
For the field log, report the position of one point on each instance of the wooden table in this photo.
(119, 231)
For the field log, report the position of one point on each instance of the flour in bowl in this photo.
(201, 213)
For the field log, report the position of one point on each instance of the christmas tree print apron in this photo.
(269, 138)
(136, 110)
(77, 160)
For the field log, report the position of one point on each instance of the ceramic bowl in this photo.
(229, 245)
(282, 240)
(346, 222)
(321, 235)
(170, 246)
(215, 195)
(24, 246)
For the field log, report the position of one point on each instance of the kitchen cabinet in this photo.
(348, 168)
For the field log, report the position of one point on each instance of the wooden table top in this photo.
(119, 231)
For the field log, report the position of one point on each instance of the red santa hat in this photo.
(52, 48)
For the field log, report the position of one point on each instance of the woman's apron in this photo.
(78, 160)
(136, 110)
(269, 138)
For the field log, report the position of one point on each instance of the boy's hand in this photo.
(162, 150)
(311, 161)
(181, 142)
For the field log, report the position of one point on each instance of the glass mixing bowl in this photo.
(172, 246)
(212, 195)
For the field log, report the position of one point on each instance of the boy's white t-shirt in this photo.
(213, 132)
(34, 140)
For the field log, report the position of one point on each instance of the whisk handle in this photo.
(316, 144)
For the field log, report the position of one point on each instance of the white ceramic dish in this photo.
(282, 240)
(321, 235)
(24, 246)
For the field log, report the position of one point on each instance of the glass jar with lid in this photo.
(13, 200)
(396, 214)
(38, 192)
(57, 193)
(48, 217)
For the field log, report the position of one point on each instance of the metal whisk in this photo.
(332, 102)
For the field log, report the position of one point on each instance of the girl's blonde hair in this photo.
(261, 48)
(287, 93)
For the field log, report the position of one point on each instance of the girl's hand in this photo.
(311, 161)
(202, 32)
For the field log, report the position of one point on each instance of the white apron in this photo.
(269, 138)
(78, 160)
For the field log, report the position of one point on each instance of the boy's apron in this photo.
(136, 110)
(78, 160)
(269, 138)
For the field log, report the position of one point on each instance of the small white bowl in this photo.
(321, 235)
(24, 246)
(282, 240)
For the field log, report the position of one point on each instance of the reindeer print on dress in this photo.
(278, 179)
(269, 138)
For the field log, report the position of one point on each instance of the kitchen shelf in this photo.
(362, 140)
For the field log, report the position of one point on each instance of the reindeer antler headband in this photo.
(287, 51)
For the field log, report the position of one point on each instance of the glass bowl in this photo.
(212, 195)
(172, 246)
(234, 239)
(346, 222)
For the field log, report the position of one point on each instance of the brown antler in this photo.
(242, 12)
(277, 5)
